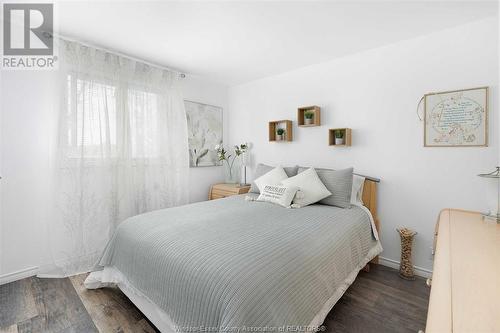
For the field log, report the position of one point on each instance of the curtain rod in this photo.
(123, 55)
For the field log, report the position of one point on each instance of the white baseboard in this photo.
(19, 275)
(419, 271)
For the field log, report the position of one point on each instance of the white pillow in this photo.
(273, 177)
(278, 194)
(358, 183)
(311, 188)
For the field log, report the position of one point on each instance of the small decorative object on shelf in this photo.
(340, 137)
(280, 134)
(280, 130)
(406, 265)
(309, 116)
(232, 166)
(495, 175)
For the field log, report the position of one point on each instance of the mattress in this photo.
(232, 264)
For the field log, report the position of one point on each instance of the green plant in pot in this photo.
(339, 137)
(280, 134)
(308, 117)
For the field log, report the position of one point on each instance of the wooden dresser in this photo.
(218, 191)
(465, 284)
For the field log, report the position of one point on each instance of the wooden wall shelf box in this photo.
(286, 125)
(316, 119)
(347, 137)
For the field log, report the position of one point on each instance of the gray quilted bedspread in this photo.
(236, 263)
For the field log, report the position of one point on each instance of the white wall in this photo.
(25, 134)
(376, 93)
(198, 90)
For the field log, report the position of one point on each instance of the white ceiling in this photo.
(236, 42)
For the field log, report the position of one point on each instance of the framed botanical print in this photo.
(204, 133)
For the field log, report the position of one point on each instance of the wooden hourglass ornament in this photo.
(406, 265)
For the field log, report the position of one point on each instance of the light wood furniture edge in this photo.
(226, 190)
(317, 115)
(369, 198)
(465, 295)
(441, 291)
(288, 128)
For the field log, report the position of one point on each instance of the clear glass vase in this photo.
(232, 172)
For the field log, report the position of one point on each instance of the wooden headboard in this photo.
(370, 202)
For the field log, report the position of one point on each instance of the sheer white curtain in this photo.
(121, 151)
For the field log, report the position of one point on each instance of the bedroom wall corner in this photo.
(26, 110)
(198, 89)
(375, 92)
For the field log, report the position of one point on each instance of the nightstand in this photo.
(218, 191)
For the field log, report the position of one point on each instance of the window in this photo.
(144, 132)
(106, 120)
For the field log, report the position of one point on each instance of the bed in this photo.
(232, 264)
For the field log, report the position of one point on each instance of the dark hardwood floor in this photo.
(378, 301)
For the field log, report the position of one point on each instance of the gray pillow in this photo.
(262, 169)
(339, 183)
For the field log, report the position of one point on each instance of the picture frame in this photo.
(205, 131)
(456, 118)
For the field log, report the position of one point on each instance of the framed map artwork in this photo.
(456, 118)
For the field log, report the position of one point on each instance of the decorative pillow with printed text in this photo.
(278, 194)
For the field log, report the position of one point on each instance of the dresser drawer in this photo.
(224, 192)
(217, 195)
